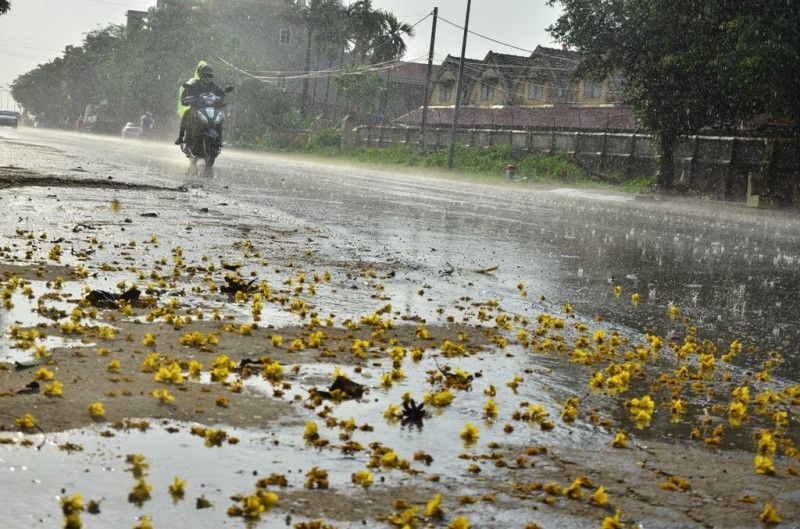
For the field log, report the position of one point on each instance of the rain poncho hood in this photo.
(181, 107)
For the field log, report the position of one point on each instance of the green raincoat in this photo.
(181, 107)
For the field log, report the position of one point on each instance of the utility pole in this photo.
(428, 81)
(458, 91)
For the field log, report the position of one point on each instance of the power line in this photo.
(275, 75)
(485, 37)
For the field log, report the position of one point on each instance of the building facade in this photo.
(513, 91)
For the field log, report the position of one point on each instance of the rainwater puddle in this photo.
(42, 306)
(594, 195)
(98, 470)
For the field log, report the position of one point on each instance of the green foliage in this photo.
(260, 107)
(489, 162)
(689, 65)
(140, 68)
(276, 141)
(644, 184)
(125, 71)
(389, 44)
(550, 168)
(360, 89)
(765, 56)
(324, 138)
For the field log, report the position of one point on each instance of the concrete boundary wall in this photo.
(719, 166)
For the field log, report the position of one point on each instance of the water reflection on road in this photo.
(446, 249)
(733, 270)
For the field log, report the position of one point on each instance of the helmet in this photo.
(206, 71)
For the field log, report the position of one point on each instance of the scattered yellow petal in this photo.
(362, 477)
(470, 434)
(769, 516)
(434, 507)
(459, 523)
(96, 409)
(600, 497)
(26, 422)
(178, 488)
(54, 389)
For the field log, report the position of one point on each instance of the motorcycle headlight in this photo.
(202, 117)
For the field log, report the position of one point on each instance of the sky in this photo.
(34, 32)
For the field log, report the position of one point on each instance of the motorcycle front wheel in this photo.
(209, 151)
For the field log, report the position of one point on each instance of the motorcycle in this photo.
(203, 137)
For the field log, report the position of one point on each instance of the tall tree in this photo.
(683, 61)
(313, 15)
(127, 71)
(366, 25)
(5, 5)
(767, 54)
(390, 43)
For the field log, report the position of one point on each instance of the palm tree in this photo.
(365, 25)
(390, 45)
(314, 15)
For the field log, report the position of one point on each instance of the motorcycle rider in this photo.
(203, 81)
(146, 122)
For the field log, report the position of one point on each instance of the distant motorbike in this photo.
(203, 137)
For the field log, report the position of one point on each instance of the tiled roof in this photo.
(509, 64)
(568, 117)
(470, 65)
(558, 58)
(411, 72)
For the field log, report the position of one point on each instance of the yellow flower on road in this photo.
(470, 434)
(490, 409)
(177, 488)
(434, 507)
(621, 440)
(769, 516)
(26, 422)
(96, 409)
(171, 373)
(764, 465)
(635, 299)
(311, 432)
(163, 395)
(362, 477)
(54, 389)
(610, 522)
(459, 523)
(44, 374)
(600, 497)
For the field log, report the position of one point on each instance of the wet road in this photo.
(733, 269)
